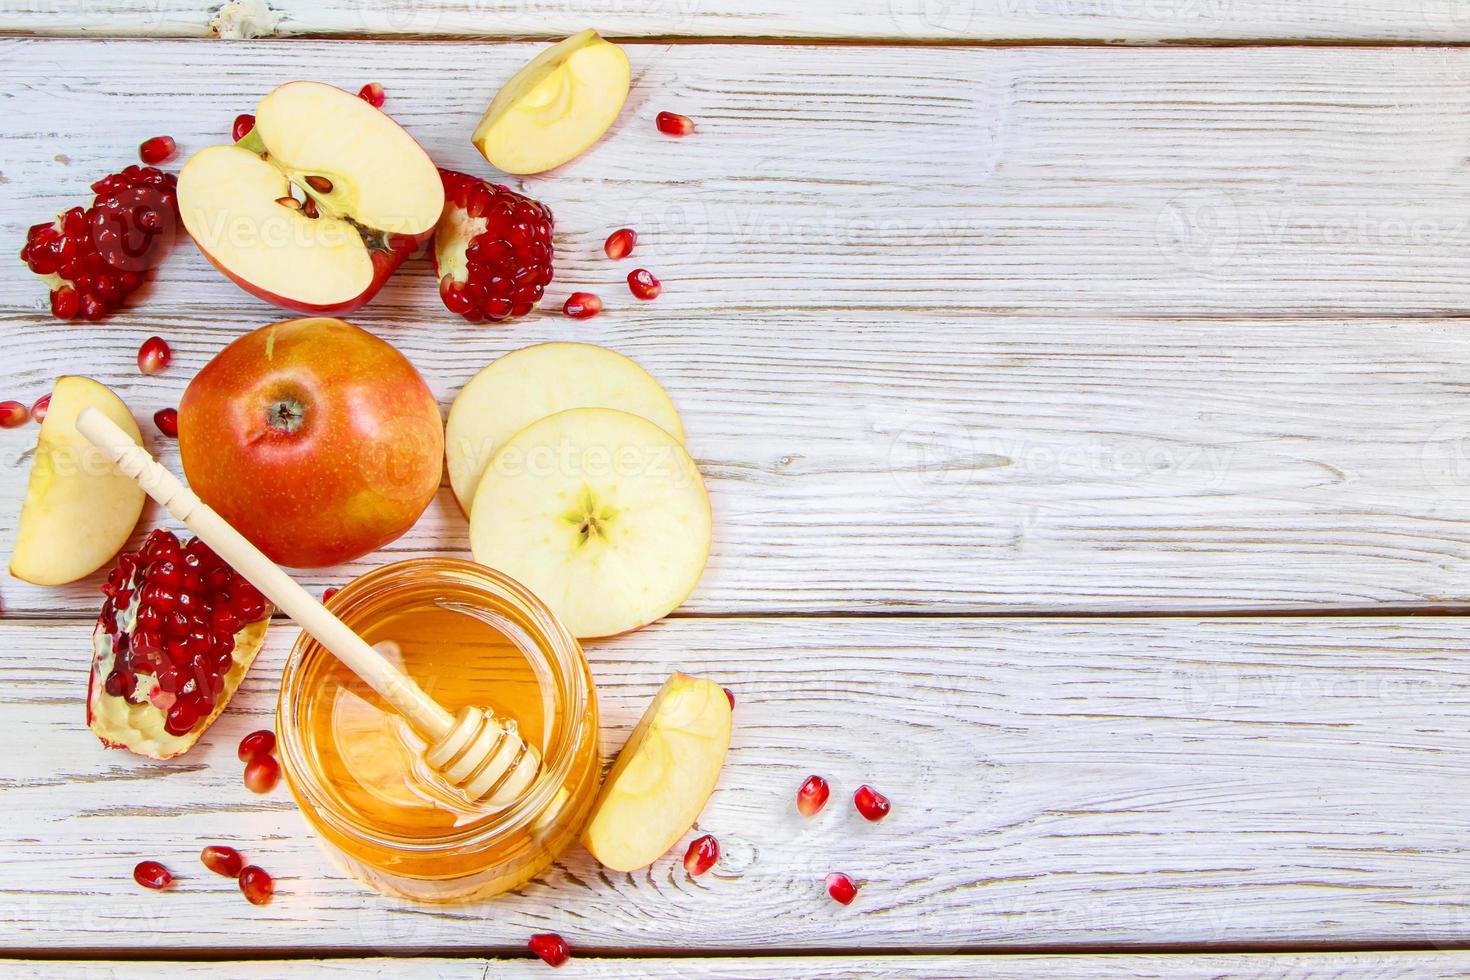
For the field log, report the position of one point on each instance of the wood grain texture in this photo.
(1198, 966)
(964, 20)
(1055, 782)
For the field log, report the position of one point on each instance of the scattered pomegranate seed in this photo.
(257, 744)
(167, 420)
(157, 149)
(619, 244)
(154, 356)
(730, 696)
(372, 94)
(812, 796)
(870, 803)
(329, 591)
(643, 284)
(13, 414)
(580, 306)
(673, 124)
(222, 860)
(244, 123)
(552, 949)
(262, 774)
(39, 410)
(841, 888)
(702, 854)
(151, 874)
(256, 885)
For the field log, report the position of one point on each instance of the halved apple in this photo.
(534, 382)
(79, 510)
(365, 196)
(555, 107)
(663, 777)
(599, 512)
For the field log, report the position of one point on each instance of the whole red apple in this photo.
(318, 441)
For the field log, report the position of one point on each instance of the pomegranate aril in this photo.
(154, 355)
(39, 410)
(642, 284)
(552, 949)
(841, 888)
(244, 123)
(151, 874)
(255, 744)
(262, 773)
(328, 592)
(673, 124)
(157, 149)
(619, 244)
(702, 854)
(812, 796)
(872, 804)
(167, 420)
(65, 302)
(256, 885)
(13, 414)
(120, 684)
(372, 94)
(580, 306)
(181, 717)
(222, 860)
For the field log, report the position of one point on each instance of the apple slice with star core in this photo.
(599, 512)
(317, 205)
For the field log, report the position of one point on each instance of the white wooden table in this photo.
(1088, 429)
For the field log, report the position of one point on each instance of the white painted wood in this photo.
(973, 20)
(1192, 966)
(1054, 782)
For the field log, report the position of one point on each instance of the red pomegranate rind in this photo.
(177, 632)
(492, 249)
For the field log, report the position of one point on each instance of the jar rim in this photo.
(550, 638)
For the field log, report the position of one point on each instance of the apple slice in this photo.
(555, 107)
(317, 205)
(663, 777)
(534, 382)
(79, 510)
(599, 512)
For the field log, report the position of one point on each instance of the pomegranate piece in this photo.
(157, 149)
(177, 631)
(702, 854)
(154, 356)
(812, 796)
(262, 774)
(552, 949)
(619, 244)
(256, 744)
(673, 124)
(13, 415)
(167, 420)
(841, 888)
(151, 874)
(642, 284)
(244, 123)
(39, 410)
(580, 306)
(256, 885)
(222, 860)
(328, 592)
(872, 804)
(492, 250)
(372, 94)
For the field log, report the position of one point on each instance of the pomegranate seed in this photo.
(244, 123)
(157, 149)
(552, 949)
(841, 888)
(812, 796)
(65, 302)
(154, 356)
(702, 855)
(222, 860)
(13, 414)
(262, 773)
(39, 410)
(329, 591)
(870, 803)
(167, 420)
(580, 306)
(257, 744)
(372, 94)
(643, 284)
(619, 244)
(151, 874)
(673, 124)
(730, 696)
(256, 885)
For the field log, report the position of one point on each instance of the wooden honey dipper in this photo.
(483, 756)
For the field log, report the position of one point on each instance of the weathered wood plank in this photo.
(1055, 782)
